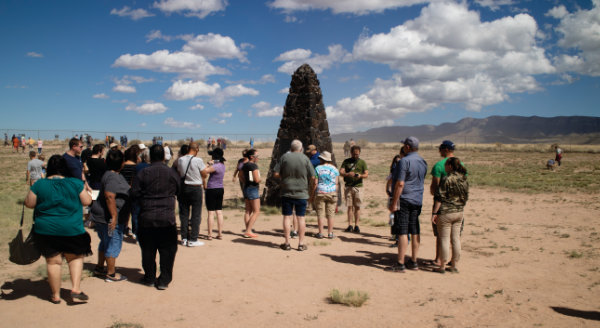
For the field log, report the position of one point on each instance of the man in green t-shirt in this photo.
(354, 170)
(437, 172)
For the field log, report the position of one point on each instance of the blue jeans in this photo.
(110, 245)
(191, 196)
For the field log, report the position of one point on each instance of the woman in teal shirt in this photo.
(58, 229)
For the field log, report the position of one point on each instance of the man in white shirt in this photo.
(168, 154)
(190, 170)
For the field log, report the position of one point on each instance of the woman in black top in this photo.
(96, 167)
(131, 160)
(251, 195)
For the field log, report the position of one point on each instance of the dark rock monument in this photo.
(304, 119)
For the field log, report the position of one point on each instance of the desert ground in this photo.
(530, 258)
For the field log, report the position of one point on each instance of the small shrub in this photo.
(120, 324)
(269, 210)
(575, 255)
(350, 298)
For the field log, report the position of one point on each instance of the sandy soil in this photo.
(528, 260)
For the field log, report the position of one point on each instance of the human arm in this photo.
(435, 182)
(205, 174)
(27, 175)
(111, 204)
(396, 195)
(435, 211)
(256, 176)
(85, 197)
(30, 199)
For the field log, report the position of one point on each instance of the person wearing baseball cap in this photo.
(446, 150)
(408, 181)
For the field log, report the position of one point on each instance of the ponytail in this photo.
(456, 165)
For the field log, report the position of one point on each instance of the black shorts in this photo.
(214, 199)
(51, 246)
(408, 218)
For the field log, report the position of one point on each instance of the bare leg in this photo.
(350, 215)
(75, 268)
(402, 247)
(356, 215)
(220, 222)
(415, 241)
(286, 228)
(210, 222)
(301, 229)
(255, 212)
(247, 212)
(111, 265)
(295, 222)
(101, 260)
(53, 265)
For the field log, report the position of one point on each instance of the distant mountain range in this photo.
(493, 129)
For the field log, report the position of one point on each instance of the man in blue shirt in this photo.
(313, 154)
(408, 181)
(74, 164)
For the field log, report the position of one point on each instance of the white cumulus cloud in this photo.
(181, 124)
(356, 7)
(213, 46)
(264, 109)
(232, 91)
(135, 14)
(100, 96)
(124, 88)
(150, 107)
(182, 90)
(225, 115)
(295, 58)
(197, 107)
(580, 38)
(196, 8)
(459, 59)
(183, 63)
(34, 54)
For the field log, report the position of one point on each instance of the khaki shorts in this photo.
(353, 196)
(325, 205)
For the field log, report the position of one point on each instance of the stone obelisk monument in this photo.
(304, 119)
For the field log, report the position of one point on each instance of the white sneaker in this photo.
(195, 243)
(184, 242)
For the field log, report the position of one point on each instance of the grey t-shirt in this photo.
(35, 169)
(114, 183)
(295, 170)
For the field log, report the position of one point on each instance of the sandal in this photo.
(114, 278)
(285, 247)
(209, 238)
(53, 301)
(80, 296)
(219, 237)
(302, 248)
(439, 270)
(452, 269)
(250, 235)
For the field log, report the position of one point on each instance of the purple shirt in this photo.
(215, 180)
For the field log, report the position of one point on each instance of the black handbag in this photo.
(21, 251)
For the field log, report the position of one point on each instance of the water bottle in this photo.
(110, 231)
(391, 223)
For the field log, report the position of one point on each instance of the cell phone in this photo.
(356, 175)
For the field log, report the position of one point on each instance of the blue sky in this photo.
(219, 67)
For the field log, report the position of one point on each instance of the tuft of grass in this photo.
(120, 324)
(321, 243)
(269, 210)
(575, 255)
(350, 298)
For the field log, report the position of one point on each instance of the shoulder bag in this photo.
(21, 251)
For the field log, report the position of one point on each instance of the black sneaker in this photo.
(349, 229)
(412, 265)
(147, 283)
(356, 229)
(396, 267)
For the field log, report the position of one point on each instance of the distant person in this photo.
(252, 181)
(551, 164)
(16, 143)
(23, 143)
(144, 158)
(213, 184)
(449, 202)
(58, 230)
(40, 144)
(34, 169)
(354, 170)
(251, 143)
(446, 150)
(559, 154)
(408, 185)
(297, 175)
(190, 170)
(325, 193)
(86, 154)
(168, 153)
(31, 143)
(156, 188)
(110, 214)
(346, 149)
(5, 139)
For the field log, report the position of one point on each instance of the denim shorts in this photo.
(289, 204)
(110, 245)
(251, 192)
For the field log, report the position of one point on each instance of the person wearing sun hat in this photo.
(324, 192)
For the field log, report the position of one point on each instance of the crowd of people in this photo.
(113, 187)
